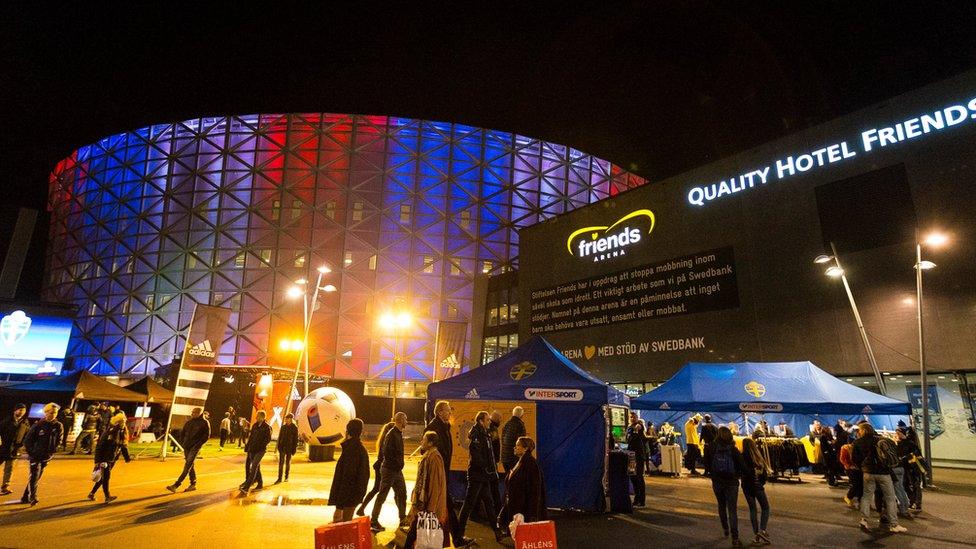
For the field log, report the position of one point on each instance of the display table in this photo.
(671, 459)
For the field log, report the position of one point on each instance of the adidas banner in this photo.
(207, 329)
(449, 353)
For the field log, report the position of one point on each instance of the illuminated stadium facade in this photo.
(231, 211)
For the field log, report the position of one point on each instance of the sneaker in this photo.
(242, 493)
(757, 540)
(110, 499)
(5, 491)
(864, 525)
(849, 501)
(91, 496)
(286, 479)
(375, 526)
(736, 542)
(764, 536)
(278, 481)
(465, 541)
(725, 534)
(361, 512)
(172, 487)
(33, 502)
(191, 487)
(897, 529)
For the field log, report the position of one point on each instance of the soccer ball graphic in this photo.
(322, 415)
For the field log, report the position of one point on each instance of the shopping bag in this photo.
(536, 534)
(96, 474)
(354, 534)
(429, 533)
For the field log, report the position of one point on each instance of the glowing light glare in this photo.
(908, 301)
(329, 288)
(390, 320)
(291, 345)
(301, 282)
(295, 292)
(823, 259)
(834, 272)
(324, 269)
(265, 382)
(926, 265)
(936, 239)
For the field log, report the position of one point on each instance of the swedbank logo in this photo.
(607, 241)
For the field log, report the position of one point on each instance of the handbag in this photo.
(429, 532)
(96, 474)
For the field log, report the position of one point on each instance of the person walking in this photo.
(288, 445)
(195, 433)
(910, 456)
(224, 430)
(361, 511)
(244, 431)
(430, 492)
(692, 441)
(754, 476)
(107, 452)
(351, 473)
(494, 433)
(40, 443)
(855, 480)
(257, 445)
(391, 473)
(441, 424)
(525, 488)
(481, 473)
(726, 465)
(867, 452)
(637, 443)
(12, 431)
(708, 433)
(89, 427)
(68, 424)
(511, 432)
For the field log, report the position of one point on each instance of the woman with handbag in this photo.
(428, 503)
(525, 489)
(110, 444)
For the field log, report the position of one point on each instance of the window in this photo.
(357, 211)
(276, 210)
(330, 209)
(513, 312)
(405, 213)
(300, 260)
(235, 302)
(486, 266)
(239, 260)
(191, 261)
(372, 262)
(265, 256)
(503, 313)
(348, 258)
(452, 310)
(92, 309)
(455, 268)
(296, 209)
(217, 298)
(428, 264)
(465, 219)
(493, 316)
(150, 298)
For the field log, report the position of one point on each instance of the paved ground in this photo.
(680, 512)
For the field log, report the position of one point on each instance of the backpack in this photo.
(722, 461)
(886, 453)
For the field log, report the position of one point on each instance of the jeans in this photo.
(856, 489)
(189, 458)
(36, 470)
(284, 463)
(637, 480)
(757, 495)
(390, 478)
(727, 497)
(375, 489)
(88, 436)
(223, 436)
(253, 468)
(479, 492)
(900, 494)
(8, 469)
(913, 485)
(887, 487)
(106, 476)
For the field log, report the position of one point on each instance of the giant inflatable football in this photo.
(322, 415)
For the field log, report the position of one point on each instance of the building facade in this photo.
(230, 211)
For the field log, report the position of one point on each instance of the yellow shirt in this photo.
(691, 433)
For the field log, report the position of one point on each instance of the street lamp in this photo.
(300, 290)
(395, 320)
(836, 271)
(933, 240)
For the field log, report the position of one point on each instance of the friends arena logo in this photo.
(14, 327)
(601, 242)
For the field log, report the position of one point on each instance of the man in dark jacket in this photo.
(12, 431)
(708, 433)
(481, 473)
(351, 474)
(195, 433)
(287, 445)
(257, 444)
(391, 472)
(67, 423)
(441, 424)
(511, 432)
(876, 474)
(89, 427)
(637, 443)
(40, 442)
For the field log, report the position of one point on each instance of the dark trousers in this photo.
(188, 459)
(106, 476)
(753, 497)
(391, 478)
(223, 437)
(64, 435)
(856, 489)
(705, 452)
(727, 497)
(913, 485)
(637, 480)
(284, 463)
(87, 436)
(374, 490)
(479, 493)
(252, 469)
(691, 458)
(36, 470)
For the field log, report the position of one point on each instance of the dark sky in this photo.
(657, 87)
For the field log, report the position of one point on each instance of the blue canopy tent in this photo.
(797, 392)
(572, 433)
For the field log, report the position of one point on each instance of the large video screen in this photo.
(33, 340)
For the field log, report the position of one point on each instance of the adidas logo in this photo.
(202, 349)
(451, 362)
(473, 393)
(867, 409)
(664, 406)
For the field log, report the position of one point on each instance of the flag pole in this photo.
(169, 418)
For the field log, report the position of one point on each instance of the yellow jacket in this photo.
(691, 433)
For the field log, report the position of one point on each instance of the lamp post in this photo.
(934, 240)
(395, 320)
(300, 289)
(836, 271)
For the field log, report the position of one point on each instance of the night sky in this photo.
(656, 87)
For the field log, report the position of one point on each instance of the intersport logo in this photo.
(572, 395)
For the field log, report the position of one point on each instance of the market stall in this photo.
(570, 417)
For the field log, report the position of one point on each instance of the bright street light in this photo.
(823, 258)
(329, 288)
(395, 320)
(936, 239)
(926, 265)
(324, 269)
(295, 292)
(834, 271)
